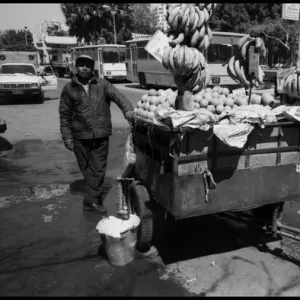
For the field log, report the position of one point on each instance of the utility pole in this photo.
(26, 34)
(115, 34)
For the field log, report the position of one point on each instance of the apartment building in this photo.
(160, 11)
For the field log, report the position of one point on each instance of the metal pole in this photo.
(26, 35)
(114, 28)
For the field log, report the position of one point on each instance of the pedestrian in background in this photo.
(85, 125)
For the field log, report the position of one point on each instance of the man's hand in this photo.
(69, 145)
(129, 115)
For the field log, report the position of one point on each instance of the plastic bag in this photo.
(129, 156)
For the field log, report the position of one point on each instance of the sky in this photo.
(17, 16)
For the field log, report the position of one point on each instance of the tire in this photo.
(138, 201)
(142, 81)
(40, 98)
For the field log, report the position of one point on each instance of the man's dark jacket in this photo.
(85, 116)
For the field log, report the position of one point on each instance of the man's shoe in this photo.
(94, 207)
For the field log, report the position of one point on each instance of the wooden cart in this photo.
(192, 173)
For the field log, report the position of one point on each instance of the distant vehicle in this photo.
(56, 51)
(19, 79)
(144, 69)
(109, 60)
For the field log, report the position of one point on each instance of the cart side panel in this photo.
(159, 185)
(236, 190)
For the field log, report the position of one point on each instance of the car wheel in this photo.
(40, 98)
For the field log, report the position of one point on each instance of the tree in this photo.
(56, 30)
(93, 21)
(12, 40)
(143, 19)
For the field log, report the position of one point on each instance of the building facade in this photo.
(160, 11)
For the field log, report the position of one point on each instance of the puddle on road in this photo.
(34, 194)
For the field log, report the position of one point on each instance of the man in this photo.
(85, 125)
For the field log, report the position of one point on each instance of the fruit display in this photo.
(238, 65)
(153, 101)
(291, 89)
(216, 100)
(189, 34)
(189, 24)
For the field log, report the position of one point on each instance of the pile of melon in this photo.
(154, 101)
(215, 100)
(219, 99)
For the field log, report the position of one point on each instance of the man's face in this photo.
(85, 68)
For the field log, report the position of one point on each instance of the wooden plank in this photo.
(236, 189)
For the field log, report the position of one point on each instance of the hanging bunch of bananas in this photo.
(238, 65)
(188, 66)
(189, 24)
(291, 87)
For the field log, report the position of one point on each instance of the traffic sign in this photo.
(290, 11)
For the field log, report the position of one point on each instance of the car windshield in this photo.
(14, 69)
(110, 55)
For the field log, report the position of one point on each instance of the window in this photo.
(13, 69)
(54, 57)
(122, 55)
(151, 56)
(110, 55)
(48, 71)
(218, 53)
(142, 53)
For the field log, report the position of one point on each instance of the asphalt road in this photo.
(49, 246)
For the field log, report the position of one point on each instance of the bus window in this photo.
(218, 53)
(151, 56)
(110, 55)
(142, 53)
(236, 49)
(122, 55)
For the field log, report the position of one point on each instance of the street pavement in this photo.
(49, 245)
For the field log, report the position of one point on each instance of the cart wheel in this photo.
(266, 211)
(138, 200)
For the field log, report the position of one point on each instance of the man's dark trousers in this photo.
(91, 156)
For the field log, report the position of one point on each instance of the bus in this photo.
(109, 60)
(144, 69)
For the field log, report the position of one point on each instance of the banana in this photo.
(171, 37)
(201, 5)
(207, 76)
(201, 37)
(206, 41)
(214, 5)
(173, 13)
(206, 15)
(191, 80)
(238, 72)
(187, 28)
(171, 61)
(195, 38)
(190, 61)
(178, 40)
(244, 49)
(260, 76)
(201, 58)
(194, 28)
(231, 65)
(185, 18)
(181, 13)
(175, 23)
(294, 84)
(201, 17)
(176, 57)
(184, 69)
(243, 40)
(209, 7)
(192, 17)
(181, 59)
(172, 5)
(209, 32)
(246, 82)
(196, 60)
(165, 57)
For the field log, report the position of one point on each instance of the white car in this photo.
(22, 79)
